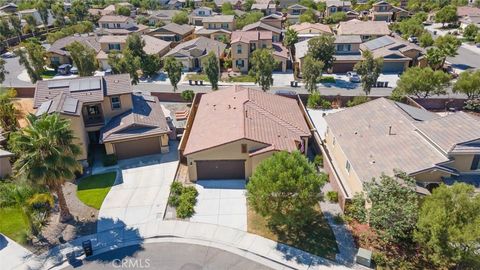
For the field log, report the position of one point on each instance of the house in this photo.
(109, 10)
(365, 29)
(333, 6)
(243, 43)
(236, 4)
(266, 6)
(397, 53)
(36, 15)
(274, 19)
(153, 46)
(9, 8)
(308, 30)
(382, 135)
(384, 11)
(215, 34)
(294, 12)
(198, 14)
(225, 22)
(164, 16)
(5, 165)
(284, 4)
(261, 26)
(173, 32)
(234, 129)
(119, 25)
(104, 110)
(468, 15)
(191, 53)
(58, 54)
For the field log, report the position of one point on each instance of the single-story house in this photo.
(365, 29)
(173, 32)
(58, 54)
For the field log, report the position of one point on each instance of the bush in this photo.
(332, 196)
(109, 160)
(185, 209)
(325, 104)
(357, 100)
(338, 219)
(318, 161)
(327, 79)
(472, 105)
(316, 101)
(188, 95)
(183, 198)
(176, 189)
(355, 209)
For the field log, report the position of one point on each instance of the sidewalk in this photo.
(252, 246)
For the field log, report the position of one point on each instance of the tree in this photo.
(31, 24)
(83, 57)
(42, 9)
(32, 57)
(23, 60)
(335, 17)
(122, 10)
(59, 13)
(448, 45)
(435, 58)
(447, 14)
(470, 32)
(248, 18)
(174, 71)
(135, 44)
(468, 83)
(423, 82)
(16, 26)
(291, 37)
(285, 188)
(369, 69)
(262, 66)
(394, 204)
(248, 5)
(212, 69)
(311, 72)
(449, 227)
(180, 18)
(8, 113)
(426, 39)
(323, 49)
(3, 71)
(47, 153)
(79, 10)
(125, 62)
(151, 64)
(308, 16)
(227, 9)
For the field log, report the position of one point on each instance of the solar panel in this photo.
(44, 107)
(379, 43)
(84, 84)
(57, 84)
(70, 105)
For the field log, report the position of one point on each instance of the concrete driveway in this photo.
(282, 78)
(140, 193)
(221, 202)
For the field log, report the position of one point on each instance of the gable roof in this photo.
(387, 45)
(180, 29)
(317, 27)
(238, 113)
(145, 118)
(201, 43)
(58, 46)
(249, 36)
(219, 19)
(113, 18)
(263, 26)
(367, 28)
(337, 3)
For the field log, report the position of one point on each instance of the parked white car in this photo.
(353, 77)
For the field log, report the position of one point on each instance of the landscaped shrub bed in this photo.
(183, 199)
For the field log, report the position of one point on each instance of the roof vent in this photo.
(116, 81)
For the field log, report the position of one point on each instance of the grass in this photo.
(316, 238)
(197, 77)
(13, 224)
(241, 78)
(93, 189)
(48, 74)
(327, 79)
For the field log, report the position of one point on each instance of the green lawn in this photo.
(13, 224)
(48, 74)
(93, 189)
(241, 78)
(197, 77)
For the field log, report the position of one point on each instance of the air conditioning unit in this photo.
(364, 257)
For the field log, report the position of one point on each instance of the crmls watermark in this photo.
(131, 263)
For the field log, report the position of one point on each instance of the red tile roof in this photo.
(238, 113)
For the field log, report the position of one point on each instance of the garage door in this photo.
(136, 148)
(220, 169)
(342, 67)
(393, 67)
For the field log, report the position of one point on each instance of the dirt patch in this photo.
(25, 107)
(84, 222)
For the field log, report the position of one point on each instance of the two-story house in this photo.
(58, 54)
(308, 30)
(104, 110)
(333, 6)
(244, 43)
(261, 26)
(294, 12)
(266, 6)
(384, 11)
(163, 16)
(191, 53)
(274, 19)
(153, 46)
(217, 27)
(198, 14)
(173, 32)
(236, 4)
(119, 25)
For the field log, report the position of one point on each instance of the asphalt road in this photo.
(171, 256)
(465, 59)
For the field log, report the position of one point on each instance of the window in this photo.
(244, 148)
(239, 49)
(115, 46)
(201, 13)
(240, 63)
(225, 25)
(115, 103)
(93, 110)
(475, 163)
(344, 47)
(253, 47)
(382, 8)
(347, 166)
(118, 25)
(104, 25)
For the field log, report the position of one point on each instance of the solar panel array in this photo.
(44, 107)
(379, 43)
(70, 105)
(84, 84)
(58, 84)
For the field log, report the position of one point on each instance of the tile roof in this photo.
(364, 135)
(219, 19)
(203, 44)
(113, 18)
(280, 50)
(180, 29)
(311, 28)
(152, 45)
(145, 118)
(347, 39)
(62, 103)
(468, 11)
(237, 113)
(386, 46)
(249, 36)
(92, 89)
(261, 26)
(58, 46)
(367, 28)
(338, 3)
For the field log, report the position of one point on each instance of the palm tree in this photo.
(291, 37)
(47, 154)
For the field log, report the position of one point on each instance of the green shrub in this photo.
(472, 105)
(314, 100)
(327, 79)
(318, 161)
(332, 196)
(355, 209)
(109, 160)
(324, 177)
(338, 219)
(185, 209)
(176, 188)
(188, 95)
(325, 104)
(183, 199)
(357, 100)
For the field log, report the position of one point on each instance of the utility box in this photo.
(364, 257)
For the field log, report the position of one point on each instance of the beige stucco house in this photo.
(229, 132)
(191, 53)
(382, 135)
(365, 29)
(58, 54)
(104, 110)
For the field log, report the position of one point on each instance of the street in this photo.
(169, 256)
